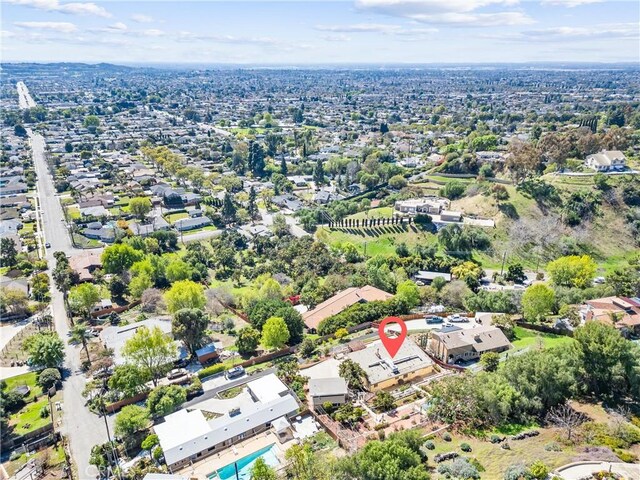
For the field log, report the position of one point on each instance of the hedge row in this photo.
(212, 370)
(362, 313)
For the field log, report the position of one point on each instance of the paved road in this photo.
(84, 429)
(214, 391)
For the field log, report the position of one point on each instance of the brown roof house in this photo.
(341, 301)
(453, 345)
(85, 263)
(622, 312)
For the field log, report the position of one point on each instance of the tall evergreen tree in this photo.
(252, 207)
(283, 166)
(228, 209)
(318, 173)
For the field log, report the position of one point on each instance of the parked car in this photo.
(234, 372)
(47, 245)
(433, 319)
(176, 373)
(458, 319)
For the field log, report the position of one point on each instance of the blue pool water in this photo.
(245, 464)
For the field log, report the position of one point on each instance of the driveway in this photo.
(581, 470)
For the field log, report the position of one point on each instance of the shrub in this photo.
(459, 468)
(626, 457)
(44, 412)
(150, 442)
(496, 439)
(539, 470)
(212, 370)
(552, 447)
(429, 445)
(465, 447)
(49, 377)
(516, 472)
(195, 387)
(446, 437)
(157, 453)
(442, 457)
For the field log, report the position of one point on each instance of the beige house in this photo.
(452, 346)
(341, 301)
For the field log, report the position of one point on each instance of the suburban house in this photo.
(606, 160)
(428, 277)
(187, 436)
(383, 372)
(341, 301)
(622, 312)
(209, 352)
(84, 264)
(185, 224)
(427, 205)
(323, 390)
(115, 337)
(454, 344)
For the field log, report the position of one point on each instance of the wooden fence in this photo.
(544, 328)
(15, 442)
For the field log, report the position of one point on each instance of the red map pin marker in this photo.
(392, 344)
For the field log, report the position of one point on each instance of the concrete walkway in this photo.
(579, 470)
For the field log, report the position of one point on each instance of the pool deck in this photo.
(205, 467)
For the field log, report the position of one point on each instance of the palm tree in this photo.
(81, 334)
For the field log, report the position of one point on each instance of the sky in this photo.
(288, 32)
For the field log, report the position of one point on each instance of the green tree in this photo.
(129, 379)
(515, 273)
(140, 207)
(398, 182)
(165, 399)
(139, 284)
(490, 361)
(185, 294)
(46, 350)
(49, 377)
(189, 325)
(252, 206)
(262, 471)
(178, 270)
(318, 172)
(8, 252)
(248, 340)
(80, 334)
(611, 362)
(573, 271)
(353, 374)
(470, 273)
(409, 292)
(384, 401)
(304, 464)
(229, 210)
(537, 302)
(118, 258)
(82, 299)
(150, 442)
(275, 333)
(131, 419)
(150, 350)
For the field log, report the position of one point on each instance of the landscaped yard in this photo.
(531, 339)
(54, 454)
(495, 459)
(28, 379)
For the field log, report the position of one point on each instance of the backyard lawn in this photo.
(529, 339)
(172, 217)
(28, 379)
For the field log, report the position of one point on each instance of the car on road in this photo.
(457, 319)
(433, 319)
(234, 372)
(47, 245)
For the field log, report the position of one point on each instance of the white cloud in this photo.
(616, 31)
(451, 12)
(141, 18)
(337, 37)
(386, 29)
(73, 8)
(569, 3)
(116, 27)
(152, 32)
(62, 27)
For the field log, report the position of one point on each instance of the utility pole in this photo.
(504, 258)
(114, 452)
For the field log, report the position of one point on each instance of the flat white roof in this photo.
(180, 427)
(267, 388)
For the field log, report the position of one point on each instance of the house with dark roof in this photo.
(461, 345)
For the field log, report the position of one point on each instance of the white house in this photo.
(606, 160)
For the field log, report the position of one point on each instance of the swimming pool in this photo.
(245, 464)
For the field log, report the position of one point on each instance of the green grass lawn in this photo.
(529, 338)
(29, 419)
(28, 379)
(208, 228)
(73, 212)
(172, 217)
(381, 212)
